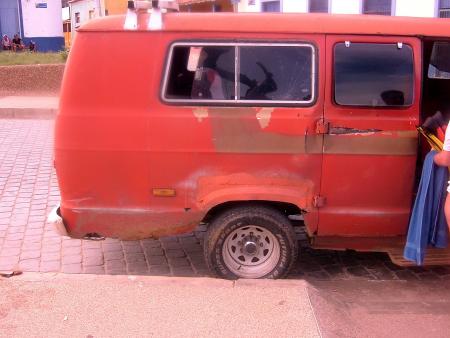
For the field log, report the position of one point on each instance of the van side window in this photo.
(439, 67)
(240, 73)
(374, 75)
(207, 73)
(275, 73)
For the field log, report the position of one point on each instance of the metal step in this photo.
(433, 257)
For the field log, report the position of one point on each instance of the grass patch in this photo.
(27, 58)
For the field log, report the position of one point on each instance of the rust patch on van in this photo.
(372, 143)
(214, 190)
(263, 117)
(130, 224)
(236, 130)
(200, 113)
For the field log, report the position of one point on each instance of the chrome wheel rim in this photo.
(251, 251)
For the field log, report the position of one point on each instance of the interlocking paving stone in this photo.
(116, 264)
(156, 260)
(161, 270)
(113, 255)
(92, 252)
(96, 270)
(50, 266)
(72, 268)
(71, 259)
(29, 190)
(29, 264)
(175, 253)
(93, 261)
(50, 256)
(406, 275)
(29, 254)
(155, 252)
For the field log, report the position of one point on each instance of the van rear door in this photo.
(371, 110)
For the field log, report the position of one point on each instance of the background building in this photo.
(82, 11)
(207, 5)
(419, 8)
(37, 20)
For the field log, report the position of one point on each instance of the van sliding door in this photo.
(371, 110)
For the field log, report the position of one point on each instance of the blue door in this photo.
(9, 18)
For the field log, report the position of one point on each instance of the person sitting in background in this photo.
(17, 43)
(6, 42)
(32, 46)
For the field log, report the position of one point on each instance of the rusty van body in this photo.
(138, 154)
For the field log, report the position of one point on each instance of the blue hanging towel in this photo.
(427, 225)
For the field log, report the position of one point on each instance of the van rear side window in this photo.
(246, 73)
(374, 75)
(202, 73)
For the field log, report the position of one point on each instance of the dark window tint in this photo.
(270, 6)
(439, 67)
(318, 6)
(211, 79)
(279, 73)
(377, 7)
(444, 8)
(373, 74)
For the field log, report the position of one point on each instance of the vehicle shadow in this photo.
(182, 256)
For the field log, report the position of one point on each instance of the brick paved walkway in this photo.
(28, 190)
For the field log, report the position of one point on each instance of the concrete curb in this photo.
(162, 280)
(28, 113)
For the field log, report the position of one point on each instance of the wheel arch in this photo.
(284, 208)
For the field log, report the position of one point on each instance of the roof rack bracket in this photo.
(157, 7)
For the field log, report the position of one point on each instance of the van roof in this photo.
(288, 23)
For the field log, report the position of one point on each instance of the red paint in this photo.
(116, 140)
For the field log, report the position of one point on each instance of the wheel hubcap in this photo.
(251, 251)
(250, 248)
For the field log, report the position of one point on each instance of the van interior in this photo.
(435, 103)
(436, 81)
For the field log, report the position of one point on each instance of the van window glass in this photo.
(373, 75)
(240, 73)
(213, 78)
(276, 73)
(439, 67)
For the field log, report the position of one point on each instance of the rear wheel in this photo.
(250, 242)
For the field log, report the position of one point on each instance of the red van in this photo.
(246, 122)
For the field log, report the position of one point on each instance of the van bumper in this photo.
(56, 220)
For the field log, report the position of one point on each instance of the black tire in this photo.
(238, 218)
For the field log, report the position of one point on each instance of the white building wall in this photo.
(296, 6)
(243, 6)
(287, 6)
(65, 13)
(42, 22)
(419, 8)
(346, 6)
(83, 7)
